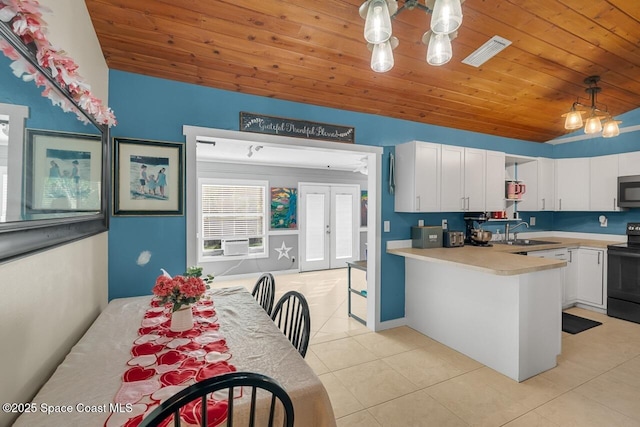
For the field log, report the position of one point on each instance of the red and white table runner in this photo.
(164, 362)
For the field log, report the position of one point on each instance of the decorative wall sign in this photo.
(271, 125)
(283, 207)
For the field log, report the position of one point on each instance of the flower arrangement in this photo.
(182, 290)
(26, 22)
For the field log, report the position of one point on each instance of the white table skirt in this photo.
(92, 372)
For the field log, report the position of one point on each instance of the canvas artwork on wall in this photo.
(147, 178)
(283, 207)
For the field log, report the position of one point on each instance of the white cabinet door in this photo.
(604, 183)
(452, 198)
(546, 184)
(475, 178)
(572, 184)
(417, 177)
(591, 276)
(629, 163)
(571, 277)
(494, 190)
(528, 175)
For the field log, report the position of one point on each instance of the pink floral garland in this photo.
(25, 18)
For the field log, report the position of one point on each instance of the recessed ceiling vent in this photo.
(487, 51)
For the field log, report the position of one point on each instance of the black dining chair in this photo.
(201, 390)
(264, 292)
(291, 315)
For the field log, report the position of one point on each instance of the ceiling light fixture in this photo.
(594, 122)
(445, 21)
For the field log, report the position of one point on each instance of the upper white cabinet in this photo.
(546, 184)
(604, 183)
(572, 184)
(463, 179)
(495, 177)
(452, 197)
(629, 163)
(475, 178)
(417, 177)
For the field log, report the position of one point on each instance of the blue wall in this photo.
(156, 109)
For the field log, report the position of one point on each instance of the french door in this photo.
(329, 225)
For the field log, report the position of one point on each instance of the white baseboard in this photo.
(389, 324)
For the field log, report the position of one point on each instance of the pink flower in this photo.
(179, 290)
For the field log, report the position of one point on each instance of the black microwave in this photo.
(629, 191)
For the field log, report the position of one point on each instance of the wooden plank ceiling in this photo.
(314, 52)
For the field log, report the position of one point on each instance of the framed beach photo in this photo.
(62, 173)
(148, 177)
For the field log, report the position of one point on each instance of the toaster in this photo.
(452, 239)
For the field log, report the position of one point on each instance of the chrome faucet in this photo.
(508, 229)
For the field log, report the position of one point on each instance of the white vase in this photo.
(182, 319)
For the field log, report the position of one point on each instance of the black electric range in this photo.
(623, 276)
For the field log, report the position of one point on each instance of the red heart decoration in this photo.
(147, 330)
(206, 313)
(192, 363)
(205, 302)
(191, 333)
(150, 314)
(171, 357)
(189, 347)
(146, 348)
(214, 369)
(216, 412)
(219, 346)
(209, 326)
(134, 422)
(177, 377)
(138, 373)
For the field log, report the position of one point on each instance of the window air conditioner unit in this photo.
(235, 247)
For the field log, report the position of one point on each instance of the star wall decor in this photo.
(283, 251)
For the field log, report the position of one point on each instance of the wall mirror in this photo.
(53, 167)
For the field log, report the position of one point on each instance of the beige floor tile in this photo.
(374, 382)
(423, 367)
(349, 325)
(316, 364)
(359, 419)
(388, 342)
(415, 409)
(477, 403)
(611, 389)
(569, 374)
(320, 337)
(342, 353)
(342, 400)
(531, 419)
(573, 409)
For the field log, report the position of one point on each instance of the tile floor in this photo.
(399, 377)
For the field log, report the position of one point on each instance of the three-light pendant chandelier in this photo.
(597, 114)
(446, 17)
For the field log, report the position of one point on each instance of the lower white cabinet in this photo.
(569, 274)
(591, 273)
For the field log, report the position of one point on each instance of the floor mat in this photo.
(575, 324)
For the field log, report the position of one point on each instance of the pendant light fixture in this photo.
(445, 21)
(596, 113)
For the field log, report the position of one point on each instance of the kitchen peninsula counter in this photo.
(489, 303)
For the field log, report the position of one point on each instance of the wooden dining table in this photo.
(86, 388)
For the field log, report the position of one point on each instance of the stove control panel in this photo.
(633, 228)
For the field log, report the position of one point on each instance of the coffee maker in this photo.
(473, 229)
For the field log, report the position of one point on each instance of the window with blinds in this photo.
(231, 212)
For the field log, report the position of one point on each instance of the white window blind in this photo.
(233, 211)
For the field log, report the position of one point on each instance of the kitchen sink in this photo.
(525, 242)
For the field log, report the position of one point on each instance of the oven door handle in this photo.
(623, 254)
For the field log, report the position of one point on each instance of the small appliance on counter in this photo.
(452, 239)
(474, 234)
(428, 236)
